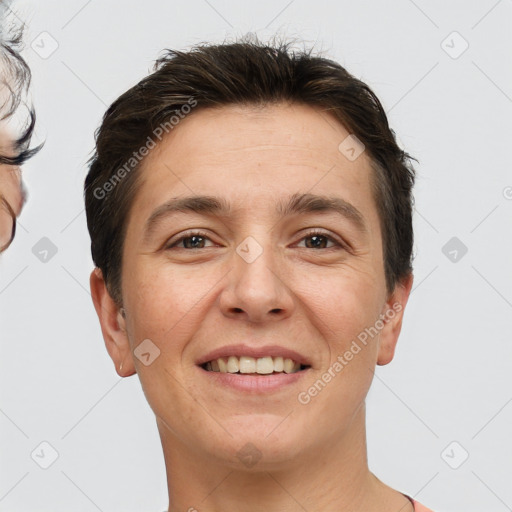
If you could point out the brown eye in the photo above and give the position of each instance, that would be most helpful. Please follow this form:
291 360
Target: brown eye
319 240
193 240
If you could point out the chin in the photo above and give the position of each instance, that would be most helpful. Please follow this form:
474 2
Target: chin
259 444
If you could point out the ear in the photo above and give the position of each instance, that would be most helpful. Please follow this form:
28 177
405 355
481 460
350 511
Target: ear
392 315
113 325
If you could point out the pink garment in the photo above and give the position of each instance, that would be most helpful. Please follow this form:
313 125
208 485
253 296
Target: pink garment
418 507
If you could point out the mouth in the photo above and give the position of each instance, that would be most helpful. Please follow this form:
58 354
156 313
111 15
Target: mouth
252 366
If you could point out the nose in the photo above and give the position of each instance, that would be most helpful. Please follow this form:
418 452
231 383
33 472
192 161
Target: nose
256 289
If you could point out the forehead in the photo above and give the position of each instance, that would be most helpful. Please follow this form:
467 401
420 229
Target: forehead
233 128
255 139
253 155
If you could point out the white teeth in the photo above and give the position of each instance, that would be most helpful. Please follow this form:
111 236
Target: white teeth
278 364
232 366
223 366
288 365
264 365
246 364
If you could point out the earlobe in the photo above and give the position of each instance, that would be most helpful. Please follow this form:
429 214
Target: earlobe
392 314
113 325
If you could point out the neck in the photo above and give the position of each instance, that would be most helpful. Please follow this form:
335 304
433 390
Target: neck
331 476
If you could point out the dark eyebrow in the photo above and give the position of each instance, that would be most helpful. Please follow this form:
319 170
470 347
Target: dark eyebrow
219 207
310 203
207 205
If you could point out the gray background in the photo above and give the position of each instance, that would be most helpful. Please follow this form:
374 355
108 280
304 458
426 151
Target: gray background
450 380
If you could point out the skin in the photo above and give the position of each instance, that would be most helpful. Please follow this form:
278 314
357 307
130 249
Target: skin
10 188
188 301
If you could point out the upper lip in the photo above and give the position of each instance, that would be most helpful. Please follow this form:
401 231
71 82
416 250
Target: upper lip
256 352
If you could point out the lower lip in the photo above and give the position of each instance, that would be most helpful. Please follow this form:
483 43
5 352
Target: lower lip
254 383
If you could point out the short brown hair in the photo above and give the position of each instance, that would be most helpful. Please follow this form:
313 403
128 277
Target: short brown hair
246 72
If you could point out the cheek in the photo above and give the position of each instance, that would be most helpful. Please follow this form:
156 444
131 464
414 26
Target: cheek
339 388
10 188
166 302
343 302
351 310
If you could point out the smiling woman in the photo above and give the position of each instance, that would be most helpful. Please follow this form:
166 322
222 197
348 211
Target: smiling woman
264 245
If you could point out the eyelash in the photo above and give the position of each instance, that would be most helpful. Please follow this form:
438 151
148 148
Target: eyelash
202 234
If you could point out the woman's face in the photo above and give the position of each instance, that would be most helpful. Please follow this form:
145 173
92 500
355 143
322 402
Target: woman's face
257 277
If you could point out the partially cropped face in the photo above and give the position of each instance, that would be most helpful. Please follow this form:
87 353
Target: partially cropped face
240 306
11 192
